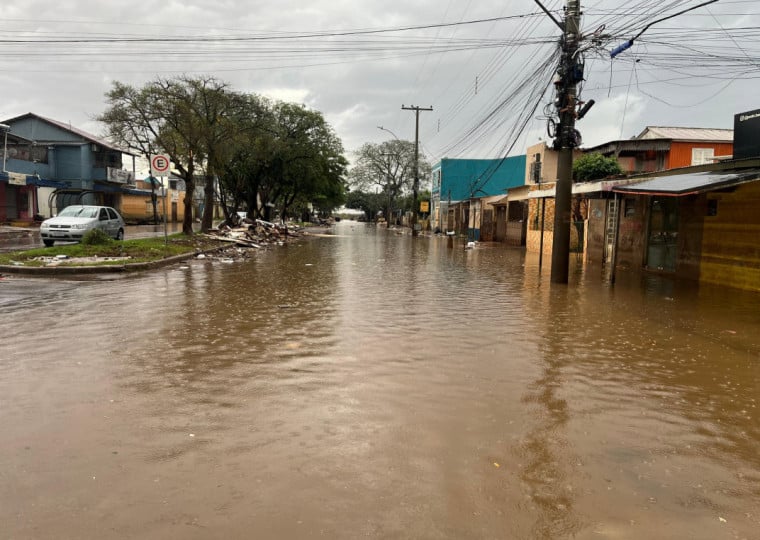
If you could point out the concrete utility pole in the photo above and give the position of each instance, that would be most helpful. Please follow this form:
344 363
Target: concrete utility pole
570 73
416 187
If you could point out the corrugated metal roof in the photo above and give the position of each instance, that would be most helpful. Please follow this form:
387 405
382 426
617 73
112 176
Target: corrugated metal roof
689 184
632 145
687 134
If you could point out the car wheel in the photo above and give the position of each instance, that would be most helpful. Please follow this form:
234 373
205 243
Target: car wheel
48 243
120 234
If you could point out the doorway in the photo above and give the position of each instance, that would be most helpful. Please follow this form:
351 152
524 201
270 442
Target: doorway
662 243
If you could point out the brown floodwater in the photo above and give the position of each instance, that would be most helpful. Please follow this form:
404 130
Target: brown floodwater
374 385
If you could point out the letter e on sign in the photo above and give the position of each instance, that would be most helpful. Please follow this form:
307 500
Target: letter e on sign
159 163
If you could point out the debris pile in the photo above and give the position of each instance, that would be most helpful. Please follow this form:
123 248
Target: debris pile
255 234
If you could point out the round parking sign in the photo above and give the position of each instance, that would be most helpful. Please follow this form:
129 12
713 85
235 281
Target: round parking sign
159 163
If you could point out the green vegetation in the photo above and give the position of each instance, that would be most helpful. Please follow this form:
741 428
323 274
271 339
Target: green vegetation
140 250
383 175
273 158
96 237
595 167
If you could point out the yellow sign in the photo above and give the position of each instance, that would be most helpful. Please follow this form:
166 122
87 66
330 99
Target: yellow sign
424 206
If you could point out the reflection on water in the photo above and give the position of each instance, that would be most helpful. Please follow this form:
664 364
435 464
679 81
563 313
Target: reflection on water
371 384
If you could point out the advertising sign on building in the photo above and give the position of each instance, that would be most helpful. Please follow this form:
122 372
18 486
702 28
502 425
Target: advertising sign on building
747 134
119 176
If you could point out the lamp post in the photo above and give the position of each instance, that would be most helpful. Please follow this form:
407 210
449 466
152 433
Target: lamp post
389 131
6 128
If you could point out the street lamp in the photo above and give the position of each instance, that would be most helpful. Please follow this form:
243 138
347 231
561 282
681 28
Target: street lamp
389 131
6 128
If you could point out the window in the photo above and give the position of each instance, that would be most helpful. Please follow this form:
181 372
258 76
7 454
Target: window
112 214
103 215
630 207
535 172
700 156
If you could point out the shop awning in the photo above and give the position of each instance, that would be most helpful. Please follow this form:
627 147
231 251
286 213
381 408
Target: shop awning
24 179
689 184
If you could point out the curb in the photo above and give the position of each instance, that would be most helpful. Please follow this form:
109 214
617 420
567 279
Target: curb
104 269
47 271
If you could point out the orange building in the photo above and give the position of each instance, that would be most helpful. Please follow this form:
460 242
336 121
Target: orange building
662 148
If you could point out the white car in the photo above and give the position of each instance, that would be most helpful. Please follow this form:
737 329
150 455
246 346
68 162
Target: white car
73 222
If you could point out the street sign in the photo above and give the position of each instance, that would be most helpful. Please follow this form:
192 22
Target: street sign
424 206
159 163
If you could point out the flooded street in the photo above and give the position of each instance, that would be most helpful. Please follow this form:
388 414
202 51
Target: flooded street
375 385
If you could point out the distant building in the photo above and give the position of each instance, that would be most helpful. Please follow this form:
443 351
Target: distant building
462 189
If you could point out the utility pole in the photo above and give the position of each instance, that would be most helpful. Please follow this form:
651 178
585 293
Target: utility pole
416 187
569 74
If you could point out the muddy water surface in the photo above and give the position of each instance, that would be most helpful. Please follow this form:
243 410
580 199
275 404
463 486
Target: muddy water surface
372 385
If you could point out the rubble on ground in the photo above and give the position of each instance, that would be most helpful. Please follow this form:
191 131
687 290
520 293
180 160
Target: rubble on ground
255 233
251 234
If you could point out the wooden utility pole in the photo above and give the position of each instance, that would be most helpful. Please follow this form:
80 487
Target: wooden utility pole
416 187
569 74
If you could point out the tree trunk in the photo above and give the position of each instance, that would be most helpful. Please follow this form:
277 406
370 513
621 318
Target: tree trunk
187 221
208 204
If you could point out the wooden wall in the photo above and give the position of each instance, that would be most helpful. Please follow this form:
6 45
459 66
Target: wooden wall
680 152
731 238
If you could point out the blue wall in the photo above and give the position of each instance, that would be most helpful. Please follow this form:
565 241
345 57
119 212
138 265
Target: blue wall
463 179
36 129
68 162
70 154
28 167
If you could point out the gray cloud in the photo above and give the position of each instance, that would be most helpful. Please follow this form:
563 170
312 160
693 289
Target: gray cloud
359 90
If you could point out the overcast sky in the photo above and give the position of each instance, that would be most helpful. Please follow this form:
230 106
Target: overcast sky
695 70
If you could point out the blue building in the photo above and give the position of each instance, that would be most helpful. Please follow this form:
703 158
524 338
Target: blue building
460 185
49 165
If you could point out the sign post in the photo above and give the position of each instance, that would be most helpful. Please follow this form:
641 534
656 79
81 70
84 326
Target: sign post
160 163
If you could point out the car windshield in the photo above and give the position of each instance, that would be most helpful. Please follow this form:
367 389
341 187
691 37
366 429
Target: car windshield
79 211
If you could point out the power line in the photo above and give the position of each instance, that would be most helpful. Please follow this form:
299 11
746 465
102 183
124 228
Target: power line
284 36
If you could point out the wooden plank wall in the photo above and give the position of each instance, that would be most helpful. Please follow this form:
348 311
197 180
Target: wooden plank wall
731 239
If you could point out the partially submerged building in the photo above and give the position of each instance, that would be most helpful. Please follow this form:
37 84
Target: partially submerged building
464 190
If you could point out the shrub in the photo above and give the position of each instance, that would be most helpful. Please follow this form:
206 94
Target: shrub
595 167
96 237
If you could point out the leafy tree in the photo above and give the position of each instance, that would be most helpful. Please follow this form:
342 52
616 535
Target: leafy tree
595 167
587 168
369 203
249 157
308 162
264 155
142 120
388 166
190 119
